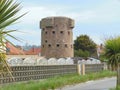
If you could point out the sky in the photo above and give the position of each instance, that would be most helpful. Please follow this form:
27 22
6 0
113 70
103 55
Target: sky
99 19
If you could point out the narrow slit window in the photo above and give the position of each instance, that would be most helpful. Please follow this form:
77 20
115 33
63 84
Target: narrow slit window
66 45
46 41
46 32
49 45
61 32
53 32
57 45
68 32
43 46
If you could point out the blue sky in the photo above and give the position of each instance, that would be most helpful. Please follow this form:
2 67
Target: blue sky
97 18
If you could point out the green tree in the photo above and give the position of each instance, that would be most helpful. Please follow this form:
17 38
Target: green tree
8 11
112 51
81 53
84 43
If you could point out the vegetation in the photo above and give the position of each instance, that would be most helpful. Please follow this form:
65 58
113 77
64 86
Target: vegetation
84 46
112 51
117 88
57 82
8 11
81 53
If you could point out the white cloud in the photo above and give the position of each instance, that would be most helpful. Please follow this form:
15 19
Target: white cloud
104 13
35 14
107 12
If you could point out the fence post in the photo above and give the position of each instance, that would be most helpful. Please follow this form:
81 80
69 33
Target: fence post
118 75
83 69
79 69
105 66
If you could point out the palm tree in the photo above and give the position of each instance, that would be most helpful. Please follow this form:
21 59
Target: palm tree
8 11
112 51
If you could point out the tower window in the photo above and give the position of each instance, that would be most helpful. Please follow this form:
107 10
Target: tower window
66 45
57 45
49 45
49 27
43 29
68 32
46 32
46 41
61 32
53 32
43 46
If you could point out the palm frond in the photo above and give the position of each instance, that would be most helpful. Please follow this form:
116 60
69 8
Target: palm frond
112 51
8 12
8 16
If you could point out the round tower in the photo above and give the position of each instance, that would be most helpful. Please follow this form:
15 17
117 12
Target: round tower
57 37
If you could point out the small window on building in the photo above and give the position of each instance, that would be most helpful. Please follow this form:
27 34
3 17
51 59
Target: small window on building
68 32
46 32
7 49
43 46
66 45
49 27
46 41
53 32
49 45
61 32
43 29
57 45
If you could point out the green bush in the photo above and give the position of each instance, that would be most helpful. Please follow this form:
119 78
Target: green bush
81 53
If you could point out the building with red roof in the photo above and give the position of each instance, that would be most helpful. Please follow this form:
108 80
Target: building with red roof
13 50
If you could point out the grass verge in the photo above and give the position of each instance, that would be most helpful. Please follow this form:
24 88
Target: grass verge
117 88
57 82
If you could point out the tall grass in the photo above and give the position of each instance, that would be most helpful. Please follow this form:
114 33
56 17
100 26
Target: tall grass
57 82
117 88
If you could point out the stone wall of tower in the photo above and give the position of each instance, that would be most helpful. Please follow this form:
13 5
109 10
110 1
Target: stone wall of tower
57 37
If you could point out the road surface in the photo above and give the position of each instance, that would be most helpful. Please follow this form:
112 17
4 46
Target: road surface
103 84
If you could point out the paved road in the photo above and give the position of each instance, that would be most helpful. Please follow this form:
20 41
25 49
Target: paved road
103 84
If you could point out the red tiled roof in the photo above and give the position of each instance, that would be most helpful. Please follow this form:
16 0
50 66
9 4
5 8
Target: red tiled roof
33 51
13 50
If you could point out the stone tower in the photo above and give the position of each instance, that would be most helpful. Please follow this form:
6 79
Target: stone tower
57 37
